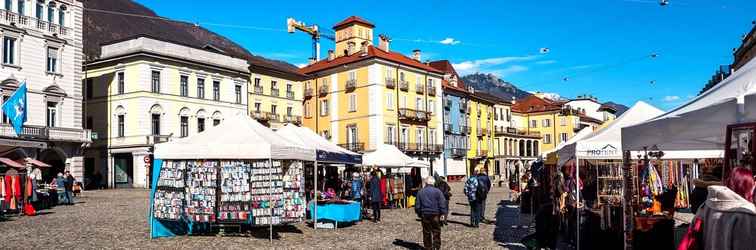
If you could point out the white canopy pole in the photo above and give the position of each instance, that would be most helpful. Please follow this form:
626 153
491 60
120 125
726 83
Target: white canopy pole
270 198
577 199
315 197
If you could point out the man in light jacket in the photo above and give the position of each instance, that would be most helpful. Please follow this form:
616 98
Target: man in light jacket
430 205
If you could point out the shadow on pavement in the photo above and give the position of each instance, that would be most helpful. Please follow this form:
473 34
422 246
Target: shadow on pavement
507 219
459 223
460 214
463 204
407 244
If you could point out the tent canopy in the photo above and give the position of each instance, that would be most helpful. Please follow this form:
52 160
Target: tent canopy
237 137
701 123
579 136
606 143
388 156
325 150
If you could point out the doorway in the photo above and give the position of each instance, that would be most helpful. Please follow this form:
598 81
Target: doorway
123 170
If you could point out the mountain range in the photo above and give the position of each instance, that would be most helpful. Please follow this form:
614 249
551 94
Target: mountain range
494 85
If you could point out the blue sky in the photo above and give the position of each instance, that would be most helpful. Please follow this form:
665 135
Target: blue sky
602 47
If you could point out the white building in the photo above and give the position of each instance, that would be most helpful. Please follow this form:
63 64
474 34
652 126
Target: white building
590 106
143 91
42 46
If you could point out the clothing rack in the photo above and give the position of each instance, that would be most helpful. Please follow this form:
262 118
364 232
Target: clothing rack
5 208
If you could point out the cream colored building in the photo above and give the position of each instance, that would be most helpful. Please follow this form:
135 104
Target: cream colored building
275 97
42 46
142 91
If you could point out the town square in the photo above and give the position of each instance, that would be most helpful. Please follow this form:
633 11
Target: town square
617 124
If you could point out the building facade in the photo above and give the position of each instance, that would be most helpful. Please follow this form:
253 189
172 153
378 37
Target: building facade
480 117
589 107
361 96
553 121
42 47
456 122
275 97
142 91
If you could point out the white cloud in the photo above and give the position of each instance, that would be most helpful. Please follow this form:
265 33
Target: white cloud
490 65
671 98
546 62
301 65
449 41
509 70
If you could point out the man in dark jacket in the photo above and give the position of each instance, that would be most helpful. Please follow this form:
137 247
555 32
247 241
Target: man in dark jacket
484 186
430 205
69 182
446 190
375 196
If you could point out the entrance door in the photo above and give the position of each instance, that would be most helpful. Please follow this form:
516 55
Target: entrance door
123 173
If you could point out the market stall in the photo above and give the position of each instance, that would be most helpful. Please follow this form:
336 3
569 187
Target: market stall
401 173
237 174
332 208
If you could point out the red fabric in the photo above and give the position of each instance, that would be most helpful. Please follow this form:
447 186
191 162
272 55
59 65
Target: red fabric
8 192
693 237
29 210
28 187
383 190
17 186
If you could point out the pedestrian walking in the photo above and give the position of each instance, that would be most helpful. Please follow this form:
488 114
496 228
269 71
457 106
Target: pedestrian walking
445 189
60 188
484 186
356 187
471 191
376 197
430 205
69 182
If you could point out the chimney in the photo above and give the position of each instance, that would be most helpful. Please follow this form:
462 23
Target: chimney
416 55
331 56
383 42
311 61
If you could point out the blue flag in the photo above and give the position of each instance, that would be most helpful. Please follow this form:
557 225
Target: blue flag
15 108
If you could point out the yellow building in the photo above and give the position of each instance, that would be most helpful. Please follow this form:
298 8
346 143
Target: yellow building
275 96
480 155
361 96
552 120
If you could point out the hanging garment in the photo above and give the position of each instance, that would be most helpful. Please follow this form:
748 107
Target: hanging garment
8 189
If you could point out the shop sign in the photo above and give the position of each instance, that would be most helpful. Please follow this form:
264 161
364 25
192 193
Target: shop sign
607 150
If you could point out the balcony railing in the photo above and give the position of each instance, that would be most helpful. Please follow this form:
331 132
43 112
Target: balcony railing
137 140
323 90
403 85
308 92
273 117
520 132
295 119
419 88
274 92
465 129
458 152
353 146
431 90
290 95
390 83
447 127
413 115
350 85
33 132
259 115
20 21
258 90
418 148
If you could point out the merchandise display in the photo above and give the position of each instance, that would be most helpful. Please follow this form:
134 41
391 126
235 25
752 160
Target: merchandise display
202 182
610 182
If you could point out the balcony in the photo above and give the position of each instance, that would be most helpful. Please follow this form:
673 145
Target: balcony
259 115
458 152
27 22
390 83
132 141
431 90
403 85
290 95
353 146
420 88
274 91
413 115
520 132
351 85
500 131
32 132
485 131
463 107
447 127
294 119
308 92
258 90
323 90
273 117
435 148
480 131
465 129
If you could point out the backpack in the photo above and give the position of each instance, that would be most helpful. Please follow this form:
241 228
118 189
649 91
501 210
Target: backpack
471 188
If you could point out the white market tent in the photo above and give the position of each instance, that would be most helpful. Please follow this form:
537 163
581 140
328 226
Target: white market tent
326 151
237 137
606 143
388 156
701 123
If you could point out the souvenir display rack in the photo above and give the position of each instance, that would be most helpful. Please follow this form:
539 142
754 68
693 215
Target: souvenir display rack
169 195
609 181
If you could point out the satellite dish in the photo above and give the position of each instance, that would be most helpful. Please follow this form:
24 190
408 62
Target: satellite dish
544 50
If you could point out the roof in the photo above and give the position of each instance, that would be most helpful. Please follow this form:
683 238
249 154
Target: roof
533 103
607 107
585 118
353 19
447 68
489 97
103 28
372 52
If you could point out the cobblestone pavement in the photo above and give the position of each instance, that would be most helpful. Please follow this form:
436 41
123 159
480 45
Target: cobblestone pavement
118 219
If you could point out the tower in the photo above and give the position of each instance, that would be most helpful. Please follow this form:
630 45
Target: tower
352 34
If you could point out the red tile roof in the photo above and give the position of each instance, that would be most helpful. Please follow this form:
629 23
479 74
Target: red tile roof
353 19
372 52
446 67
533 103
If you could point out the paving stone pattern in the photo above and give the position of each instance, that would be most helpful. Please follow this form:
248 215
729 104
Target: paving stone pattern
118 219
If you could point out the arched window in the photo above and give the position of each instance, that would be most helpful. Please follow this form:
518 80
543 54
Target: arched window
201 120
217 118
120 113
522 148
156 112
51 12
62 15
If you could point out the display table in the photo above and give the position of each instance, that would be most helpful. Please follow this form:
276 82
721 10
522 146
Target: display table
341 212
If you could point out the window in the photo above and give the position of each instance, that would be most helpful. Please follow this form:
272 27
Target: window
273 109
273 88
419 139
62 16
184 85
352 76
120 82
89 84
390 101
257 107
9 50
419 104
533 123
403 102
431 106
184 126
352 103
289 91
546 123
307 109
390 134
121 129
52 113
155 124
432 137
216 90
8 5
289 111
200 88
401 76
509 116
200 124
258 87
323 107
90 123
51 13
563 121
5 117
351 134
216 122
563 137
21 7
40 11
238 92
155 81
547 139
